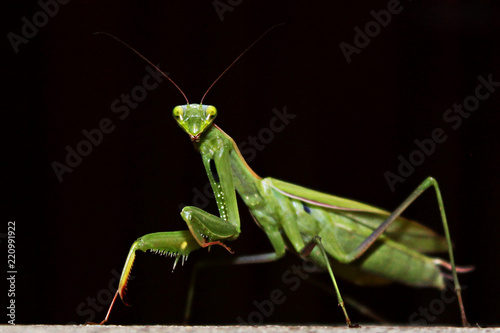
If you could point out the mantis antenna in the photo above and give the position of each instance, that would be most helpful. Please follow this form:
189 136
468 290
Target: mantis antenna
238 58
172 81
143 57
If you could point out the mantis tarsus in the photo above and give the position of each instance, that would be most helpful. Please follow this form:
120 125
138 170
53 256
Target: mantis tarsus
331 231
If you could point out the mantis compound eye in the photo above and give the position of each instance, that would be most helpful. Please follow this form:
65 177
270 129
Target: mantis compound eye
211 112
178 112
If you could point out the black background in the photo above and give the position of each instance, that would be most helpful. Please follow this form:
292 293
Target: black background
352 122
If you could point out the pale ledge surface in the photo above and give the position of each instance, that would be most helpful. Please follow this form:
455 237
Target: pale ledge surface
241 329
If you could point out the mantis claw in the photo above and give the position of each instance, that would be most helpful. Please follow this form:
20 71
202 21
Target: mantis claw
221 244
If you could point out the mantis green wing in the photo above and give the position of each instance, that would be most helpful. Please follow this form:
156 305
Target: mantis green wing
344 224
412 234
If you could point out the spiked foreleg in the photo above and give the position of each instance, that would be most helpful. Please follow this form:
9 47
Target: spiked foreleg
208 229
178 244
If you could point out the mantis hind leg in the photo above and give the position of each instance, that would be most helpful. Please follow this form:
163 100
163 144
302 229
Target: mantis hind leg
365 245
306 251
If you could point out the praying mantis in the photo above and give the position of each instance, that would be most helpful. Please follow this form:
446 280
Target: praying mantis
346 238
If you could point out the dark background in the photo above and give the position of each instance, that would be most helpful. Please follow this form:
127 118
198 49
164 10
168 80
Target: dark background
352 122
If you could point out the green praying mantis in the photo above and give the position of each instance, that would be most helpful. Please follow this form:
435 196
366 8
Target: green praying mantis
353 240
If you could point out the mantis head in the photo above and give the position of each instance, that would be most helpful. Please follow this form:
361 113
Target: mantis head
194 118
